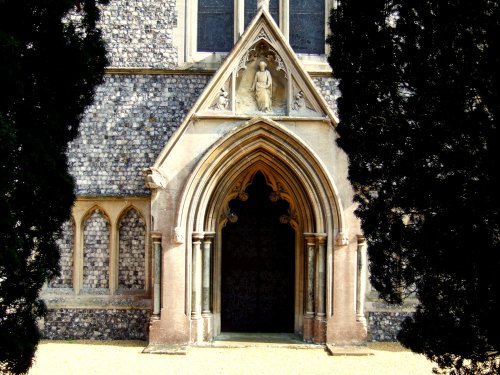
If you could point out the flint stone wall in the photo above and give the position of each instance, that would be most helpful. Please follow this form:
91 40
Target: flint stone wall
66 245
329 88
122 133
131 260
384 326
96 252
140 33
96 324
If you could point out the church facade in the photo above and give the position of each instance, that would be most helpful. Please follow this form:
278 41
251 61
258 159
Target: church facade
211 194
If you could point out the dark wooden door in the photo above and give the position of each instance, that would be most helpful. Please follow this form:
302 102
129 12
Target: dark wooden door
258 265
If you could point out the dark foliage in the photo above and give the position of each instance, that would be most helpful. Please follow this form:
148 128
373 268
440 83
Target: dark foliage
419 117
48 71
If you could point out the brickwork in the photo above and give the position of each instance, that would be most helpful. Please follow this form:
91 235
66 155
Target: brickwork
66 245
96 324
96 252
131 261
125 129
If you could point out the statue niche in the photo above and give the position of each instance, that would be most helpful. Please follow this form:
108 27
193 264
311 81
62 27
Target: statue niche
261 82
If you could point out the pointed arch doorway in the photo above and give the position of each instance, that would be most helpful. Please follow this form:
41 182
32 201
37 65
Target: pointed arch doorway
258 263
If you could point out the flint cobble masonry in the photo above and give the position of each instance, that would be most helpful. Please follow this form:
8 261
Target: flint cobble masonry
328 86
140 33
96 324
96 252
384 326
131 273
66 244
125 129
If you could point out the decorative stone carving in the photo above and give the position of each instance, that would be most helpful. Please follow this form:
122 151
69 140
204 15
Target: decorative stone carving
289 217
274 196
229 216
222 102
232 217
243 196
154 179
263 35
301 104
260 86
277 194
263 87
298 101
262 51
342 239
178 235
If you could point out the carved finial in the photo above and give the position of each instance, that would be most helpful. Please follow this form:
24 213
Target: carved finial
263 4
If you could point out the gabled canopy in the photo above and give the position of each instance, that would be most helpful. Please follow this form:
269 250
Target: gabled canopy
230 93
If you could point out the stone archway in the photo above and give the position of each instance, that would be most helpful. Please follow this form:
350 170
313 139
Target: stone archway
258 263
296 176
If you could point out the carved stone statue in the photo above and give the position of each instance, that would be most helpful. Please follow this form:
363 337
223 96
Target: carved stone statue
262 85
223 100
299 101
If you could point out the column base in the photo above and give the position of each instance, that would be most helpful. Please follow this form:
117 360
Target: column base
197 328
308 328
319 336
208 326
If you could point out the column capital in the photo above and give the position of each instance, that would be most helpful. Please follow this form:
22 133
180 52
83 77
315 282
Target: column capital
361 238
209 236
310 238
156 236
198 236
321 237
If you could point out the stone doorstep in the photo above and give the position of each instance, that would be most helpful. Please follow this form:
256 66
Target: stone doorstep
239 344
351 350
230 340
165 349
332 350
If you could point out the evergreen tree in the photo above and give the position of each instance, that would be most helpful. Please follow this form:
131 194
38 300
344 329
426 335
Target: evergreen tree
49 66
419 116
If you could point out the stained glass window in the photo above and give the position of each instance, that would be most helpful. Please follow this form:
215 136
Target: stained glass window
215 25
307 26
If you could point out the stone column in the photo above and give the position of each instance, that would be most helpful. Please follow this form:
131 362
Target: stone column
310 270
196 280
156 238
207 287
207 250
196 288
361 281
320 318
321 275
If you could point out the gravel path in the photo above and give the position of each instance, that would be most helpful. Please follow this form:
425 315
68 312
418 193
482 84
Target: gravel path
125 357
